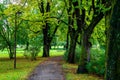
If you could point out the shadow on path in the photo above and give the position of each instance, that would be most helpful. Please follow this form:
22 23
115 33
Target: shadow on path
50 69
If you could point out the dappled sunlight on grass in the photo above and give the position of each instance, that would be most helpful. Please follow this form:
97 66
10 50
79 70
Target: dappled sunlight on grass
70 73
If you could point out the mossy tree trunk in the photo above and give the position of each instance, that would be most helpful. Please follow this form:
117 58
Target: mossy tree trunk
85 43
72 31
113 44
84 53
71 51
87 30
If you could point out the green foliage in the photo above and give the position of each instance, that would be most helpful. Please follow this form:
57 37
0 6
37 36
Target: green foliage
97 62
98 36
34 47
77 54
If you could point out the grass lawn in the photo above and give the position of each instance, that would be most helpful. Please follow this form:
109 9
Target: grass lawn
24 66
70 73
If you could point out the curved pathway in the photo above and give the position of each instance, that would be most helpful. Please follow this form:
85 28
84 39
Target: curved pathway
48 70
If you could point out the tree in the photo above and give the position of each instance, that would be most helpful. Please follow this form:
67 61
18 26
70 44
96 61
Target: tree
48 34
12 24
113 44
73 29
87 29
6 33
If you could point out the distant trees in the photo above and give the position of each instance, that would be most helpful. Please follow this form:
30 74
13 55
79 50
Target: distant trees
50 23
42 17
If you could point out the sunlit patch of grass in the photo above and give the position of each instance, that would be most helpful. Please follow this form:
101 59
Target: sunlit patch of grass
54 52
70 73
24 67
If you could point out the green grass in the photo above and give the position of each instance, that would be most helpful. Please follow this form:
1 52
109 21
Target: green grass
70 73
54 52
24 66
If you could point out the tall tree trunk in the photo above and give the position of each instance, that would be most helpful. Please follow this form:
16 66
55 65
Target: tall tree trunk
84 51
71 51
71 32
46 34
113 44
46 44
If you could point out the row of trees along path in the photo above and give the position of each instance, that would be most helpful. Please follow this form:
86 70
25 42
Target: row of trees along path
50 69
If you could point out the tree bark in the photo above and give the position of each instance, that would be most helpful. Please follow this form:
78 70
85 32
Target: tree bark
46 43
83 58
46 34
71 51
85 44
72 31
113 44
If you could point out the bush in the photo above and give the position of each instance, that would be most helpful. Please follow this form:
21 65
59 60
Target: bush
77 54
33 48
97 62
32 53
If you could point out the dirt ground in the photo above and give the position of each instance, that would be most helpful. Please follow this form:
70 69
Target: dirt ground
50 69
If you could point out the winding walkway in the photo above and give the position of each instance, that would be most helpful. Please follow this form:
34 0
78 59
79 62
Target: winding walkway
48 70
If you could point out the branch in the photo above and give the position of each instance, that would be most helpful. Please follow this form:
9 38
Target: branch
93 5
94 22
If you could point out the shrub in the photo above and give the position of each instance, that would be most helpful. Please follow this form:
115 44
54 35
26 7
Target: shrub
33 48
97 62
77 54
32 53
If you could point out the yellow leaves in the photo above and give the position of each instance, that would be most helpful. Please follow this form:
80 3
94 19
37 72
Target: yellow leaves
35 29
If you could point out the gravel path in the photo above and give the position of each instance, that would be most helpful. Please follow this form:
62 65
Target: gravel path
48 70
